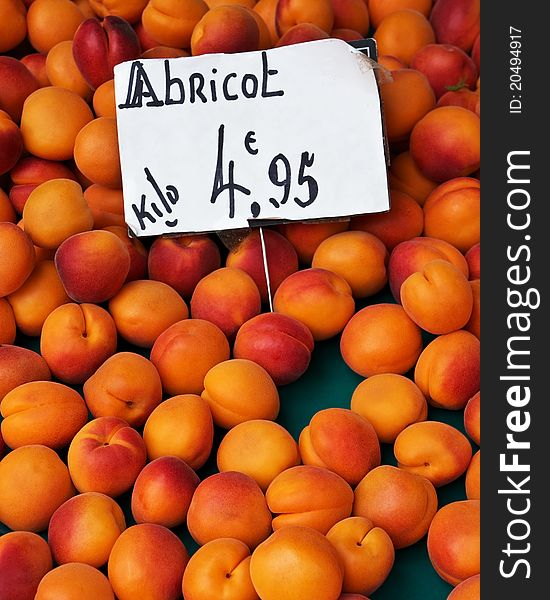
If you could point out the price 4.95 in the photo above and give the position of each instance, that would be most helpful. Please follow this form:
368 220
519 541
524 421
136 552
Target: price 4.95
280 173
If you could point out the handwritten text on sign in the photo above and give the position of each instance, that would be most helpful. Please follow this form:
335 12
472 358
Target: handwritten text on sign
213 142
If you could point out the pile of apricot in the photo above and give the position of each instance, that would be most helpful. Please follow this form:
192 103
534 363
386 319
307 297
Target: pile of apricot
128 366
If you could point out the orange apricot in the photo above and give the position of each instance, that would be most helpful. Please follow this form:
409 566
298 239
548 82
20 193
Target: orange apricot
438 298
62 71
103 100
181 426
358 257
52 118
74 580
52 21
406 99
406 177
434 450
390 402
473 488
381 338
13 24
402 222
402 33
40 295
34 482
17 258
296 563
143 309
171 22
378 9
96 152
8 327
130 10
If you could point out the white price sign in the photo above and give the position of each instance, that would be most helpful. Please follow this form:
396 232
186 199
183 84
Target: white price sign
215 142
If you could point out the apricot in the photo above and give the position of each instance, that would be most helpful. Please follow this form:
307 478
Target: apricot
52 118
473 258
403 33
452 213
219 569
406 177
182 261
185 352
99 271
267 10
54 211
472 418
303 32
309 496
8 328
401 503
456 22
404 221
17 81
106 456
41 294
358 257
469 589
239 390
282 260
434 450
7 212
230 505
164 52
84 529
52 21
445 143
306 237
181 426
381 338
34 482
412 256
226 29
296 563
62 71
96 152
280 344
16 258
13 24
36 64
74 581
294 12
162 492
320 299
462 97
130 10
20 365
12 143
390 62
448 371
438 298
226 297
171 22
342 441
126 385
144 309
76 340
453 541
42 412
25 558
136 249
378 9
473 325
260 449
365 551
406 99
473 491
103 100
351 14
390 402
